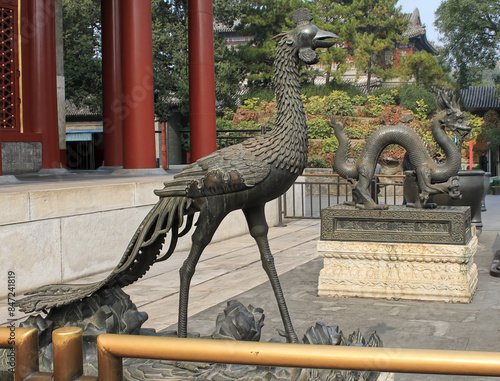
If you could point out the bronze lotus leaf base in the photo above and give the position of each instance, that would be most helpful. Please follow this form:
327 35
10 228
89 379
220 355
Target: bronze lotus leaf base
111 311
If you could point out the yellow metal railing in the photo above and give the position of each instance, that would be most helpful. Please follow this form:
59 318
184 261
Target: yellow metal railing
68 360
112 348
68 354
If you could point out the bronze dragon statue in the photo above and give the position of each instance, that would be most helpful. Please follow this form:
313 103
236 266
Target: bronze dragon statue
431 177
244 176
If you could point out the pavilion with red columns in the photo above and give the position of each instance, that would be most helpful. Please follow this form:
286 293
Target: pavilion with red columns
30 128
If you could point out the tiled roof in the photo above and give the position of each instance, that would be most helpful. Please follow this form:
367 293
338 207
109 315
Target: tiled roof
220 27
415 27
417 31
480 98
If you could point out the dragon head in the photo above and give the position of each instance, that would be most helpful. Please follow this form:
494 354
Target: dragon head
306 37
453 118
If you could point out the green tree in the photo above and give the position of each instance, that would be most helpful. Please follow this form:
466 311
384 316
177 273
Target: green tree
82 57
170 56
425 69
470 31
229 74
263 19
372 28
82 52
327 16
171 59
491 128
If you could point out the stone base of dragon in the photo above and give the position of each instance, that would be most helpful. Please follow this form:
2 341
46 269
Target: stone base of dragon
430 177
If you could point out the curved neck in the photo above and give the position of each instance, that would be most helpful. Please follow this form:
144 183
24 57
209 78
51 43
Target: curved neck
290 125
452 152
340 164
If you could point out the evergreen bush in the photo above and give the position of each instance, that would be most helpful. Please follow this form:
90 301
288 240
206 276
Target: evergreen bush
411 94
359 100
318 128
339 103
317 162
314 105
388 92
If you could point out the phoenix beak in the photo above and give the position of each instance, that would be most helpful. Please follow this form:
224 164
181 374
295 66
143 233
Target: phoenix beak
320 39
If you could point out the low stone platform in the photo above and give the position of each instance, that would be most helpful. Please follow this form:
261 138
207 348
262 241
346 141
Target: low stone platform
412 270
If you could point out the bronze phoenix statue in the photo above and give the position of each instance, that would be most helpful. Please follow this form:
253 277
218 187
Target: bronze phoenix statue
244 176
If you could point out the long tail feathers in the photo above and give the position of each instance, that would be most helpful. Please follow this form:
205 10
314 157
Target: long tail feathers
140 254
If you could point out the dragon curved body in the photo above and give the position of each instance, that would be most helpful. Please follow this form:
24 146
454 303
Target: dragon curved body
244 176
431 177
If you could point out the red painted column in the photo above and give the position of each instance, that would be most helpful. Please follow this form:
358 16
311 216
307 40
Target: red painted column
42 86
201 79
137 77
112 84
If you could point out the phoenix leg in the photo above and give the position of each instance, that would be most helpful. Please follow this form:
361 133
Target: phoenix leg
258 229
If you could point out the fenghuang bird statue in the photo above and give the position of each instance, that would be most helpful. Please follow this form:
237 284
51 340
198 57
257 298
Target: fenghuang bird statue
244 176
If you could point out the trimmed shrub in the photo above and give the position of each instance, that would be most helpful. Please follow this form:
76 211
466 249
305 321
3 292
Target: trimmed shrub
330 145
339 103
359 100
388 91
410 94
386 99
314 105
317 162
318 128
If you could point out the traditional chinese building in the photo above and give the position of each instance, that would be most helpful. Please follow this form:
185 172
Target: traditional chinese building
32 132
416 35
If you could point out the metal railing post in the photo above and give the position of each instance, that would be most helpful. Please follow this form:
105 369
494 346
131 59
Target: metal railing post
68 353
110 366
24 342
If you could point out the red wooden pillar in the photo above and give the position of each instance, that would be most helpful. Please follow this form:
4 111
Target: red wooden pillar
41 89
137 77
112 84
201 78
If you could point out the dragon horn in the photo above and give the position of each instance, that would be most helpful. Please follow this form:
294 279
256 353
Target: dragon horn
443 101
455 100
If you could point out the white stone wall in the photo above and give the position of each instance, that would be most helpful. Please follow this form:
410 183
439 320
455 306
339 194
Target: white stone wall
62 231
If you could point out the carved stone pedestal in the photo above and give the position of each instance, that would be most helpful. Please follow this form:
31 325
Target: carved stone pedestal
398 270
